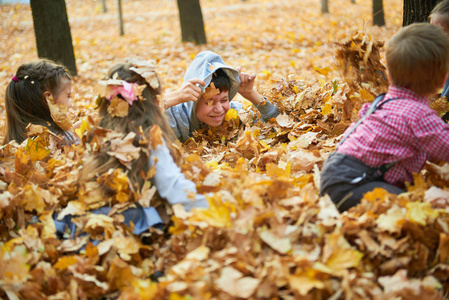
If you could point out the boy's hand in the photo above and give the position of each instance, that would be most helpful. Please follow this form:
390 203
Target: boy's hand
247 87
246 83
189 91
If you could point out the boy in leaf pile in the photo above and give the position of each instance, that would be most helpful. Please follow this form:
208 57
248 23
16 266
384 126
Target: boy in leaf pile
207 93
398 132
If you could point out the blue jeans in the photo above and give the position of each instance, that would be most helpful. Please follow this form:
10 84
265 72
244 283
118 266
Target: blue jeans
337 180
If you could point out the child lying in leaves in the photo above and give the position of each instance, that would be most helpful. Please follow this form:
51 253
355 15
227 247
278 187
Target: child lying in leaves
133 150
207 93
39 94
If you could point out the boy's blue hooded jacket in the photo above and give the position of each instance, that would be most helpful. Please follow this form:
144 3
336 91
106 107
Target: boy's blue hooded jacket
182 117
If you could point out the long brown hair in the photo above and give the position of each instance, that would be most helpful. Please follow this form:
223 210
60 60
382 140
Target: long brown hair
142 114
25 101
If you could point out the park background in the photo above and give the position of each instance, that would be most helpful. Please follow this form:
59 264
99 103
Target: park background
273 237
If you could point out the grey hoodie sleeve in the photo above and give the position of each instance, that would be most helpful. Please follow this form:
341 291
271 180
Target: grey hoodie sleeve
171 182
178 119
267 109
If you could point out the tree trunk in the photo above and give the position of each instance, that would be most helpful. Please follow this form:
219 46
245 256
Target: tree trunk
324 7
103 6
52 30
378 13
192 25
120 17
353 1
416 11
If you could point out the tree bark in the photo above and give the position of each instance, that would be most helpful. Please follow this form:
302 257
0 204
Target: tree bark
52 30
352 1
416 11
191 18
120 17
103 6
324 6
378 13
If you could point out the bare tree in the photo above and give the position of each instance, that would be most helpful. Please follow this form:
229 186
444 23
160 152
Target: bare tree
324 6
103 6
120 17
52 30
191 18
416 11
378 13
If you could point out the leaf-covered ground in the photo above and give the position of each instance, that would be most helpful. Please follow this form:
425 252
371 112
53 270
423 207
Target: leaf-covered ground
267 235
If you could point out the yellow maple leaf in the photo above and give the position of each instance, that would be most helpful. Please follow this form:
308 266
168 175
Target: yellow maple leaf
82 128
59 114
280 244
231 115
266 72
344 258
64 262
275 170
306 280
338 253
391 220
141 289
36 149
212 164
210 92
217 215
120 184
49 229
419 184
376 195
32 198
21 162
367 96
419 212
326 109
100 223
14 266
323 71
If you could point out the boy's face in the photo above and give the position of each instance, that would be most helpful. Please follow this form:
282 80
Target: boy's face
438 20
213 110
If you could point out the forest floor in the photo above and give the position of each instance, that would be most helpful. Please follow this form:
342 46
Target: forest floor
267 233
269 38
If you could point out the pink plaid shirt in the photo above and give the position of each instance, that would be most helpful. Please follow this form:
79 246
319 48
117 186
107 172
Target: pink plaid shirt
406 131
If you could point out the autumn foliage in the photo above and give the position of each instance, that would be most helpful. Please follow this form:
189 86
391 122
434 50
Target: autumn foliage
267 234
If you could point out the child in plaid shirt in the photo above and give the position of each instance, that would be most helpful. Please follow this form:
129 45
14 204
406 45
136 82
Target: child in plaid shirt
398 132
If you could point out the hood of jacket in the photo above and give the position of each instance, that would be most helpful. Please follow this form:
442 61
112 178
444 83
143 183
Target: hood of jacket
203 67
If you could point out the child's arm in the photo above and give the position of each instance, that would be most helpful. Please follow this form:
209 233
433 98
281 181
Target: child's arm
189 91
432 135
266 108
171 183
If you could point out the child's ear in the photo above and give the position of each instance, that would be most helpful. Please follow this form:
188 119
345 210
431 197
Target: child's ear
47 94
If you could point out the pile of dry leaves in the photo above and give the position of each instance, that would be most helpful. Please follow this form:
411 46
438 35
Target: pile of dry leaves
267 234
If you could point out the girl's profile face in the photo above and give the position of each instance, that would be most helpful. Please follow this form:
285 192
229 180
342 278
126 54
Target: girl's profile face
439 20
213 110
64 93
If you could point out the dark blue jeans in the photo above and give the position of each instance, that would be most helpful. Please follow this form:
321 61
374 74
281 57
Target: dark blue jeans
337 175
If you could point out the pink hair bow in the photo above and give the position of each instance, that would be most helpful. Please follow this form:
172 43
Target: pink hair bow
127 91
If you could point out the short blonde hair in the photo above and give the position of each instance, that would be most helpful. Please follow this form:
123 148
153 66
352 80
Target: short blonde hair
418 58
